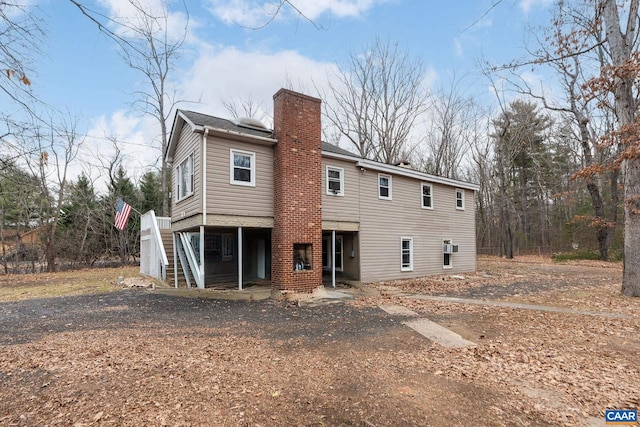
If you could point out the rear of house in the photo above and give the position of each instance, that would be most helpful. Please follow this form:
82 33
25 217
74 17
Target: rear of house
253 205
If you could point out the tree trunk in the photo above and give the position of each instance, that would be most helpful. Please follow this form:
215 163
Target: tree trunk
631 275
2 242
621 48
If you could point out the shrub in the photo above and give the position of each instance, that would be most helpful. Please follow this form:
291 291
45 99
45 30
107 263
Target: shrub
575 255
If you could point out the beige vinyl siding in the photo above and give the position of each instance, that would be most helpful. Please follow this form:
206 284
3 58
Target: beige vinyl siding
189 143
383 223
224 198
346 207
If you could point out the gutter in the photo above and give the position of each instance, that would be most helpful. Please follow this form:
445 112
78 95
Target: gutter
235 134
397 170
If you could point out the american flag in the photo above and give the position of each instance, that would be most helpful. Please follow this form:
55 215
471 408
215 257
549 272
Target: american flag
123 210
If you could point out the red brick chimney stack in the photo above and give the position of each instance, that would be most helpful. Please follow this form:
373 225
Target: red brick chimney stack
296 247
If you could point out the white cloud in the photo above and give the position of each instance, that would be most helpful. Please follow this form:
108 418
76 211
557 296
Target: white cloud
223 74
220 74
132 14
135 139
528 5
457 46
256 13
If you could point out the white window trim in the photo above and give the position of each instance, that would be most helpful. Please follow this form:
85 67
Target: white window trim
410 267
252 169
341 170
450 265
384 175
179 178
422 185
462 198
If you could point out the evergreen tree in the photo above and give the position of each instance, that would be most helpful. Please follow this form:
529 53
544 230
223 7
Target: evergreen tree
151 192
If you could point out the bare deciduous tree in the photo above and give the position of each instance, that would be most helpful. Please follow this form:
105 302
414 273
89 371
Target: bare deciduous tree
57 147
148 47
621 79
246 107
378 100
20 37
451 131
564 52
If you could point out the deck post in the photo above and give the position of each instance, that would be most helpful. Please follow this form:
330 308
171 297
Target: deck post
240 258
175 260
333 258
201 266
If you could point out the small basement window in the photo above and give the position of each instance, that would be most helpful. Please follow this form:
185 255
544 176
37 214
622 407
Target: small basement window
302 256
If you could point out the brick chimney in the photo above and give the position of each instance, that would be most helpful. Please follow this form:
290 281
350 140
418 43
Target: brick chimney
296 241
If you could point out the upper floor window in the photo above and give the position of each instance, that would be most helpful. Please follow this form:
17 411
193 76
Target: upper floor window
406 254
459 199
384 186
335 181
243 168
427 196
185 178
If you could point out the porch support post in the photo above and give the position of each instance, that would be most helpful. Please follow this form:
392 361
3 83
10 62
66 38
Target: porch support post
175 260
333 258
201 266
240 258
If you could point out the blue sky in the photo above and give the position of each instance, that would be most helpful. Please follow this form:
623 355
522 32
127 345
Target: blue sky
81 72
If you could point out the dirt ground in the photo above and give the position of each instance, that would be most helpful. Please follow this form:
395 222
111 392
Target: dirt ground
137 357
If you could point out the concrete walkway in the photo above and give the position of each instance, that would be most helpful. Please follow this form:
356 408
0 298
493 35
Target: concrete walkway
491 303
428 329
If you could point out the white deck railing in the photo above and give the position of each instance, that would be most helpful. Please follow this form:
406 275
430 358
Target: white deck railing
189 260
153 256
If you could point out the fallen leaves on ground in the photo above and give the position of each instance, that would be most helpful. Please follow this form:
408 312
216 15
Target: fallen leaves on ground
528 368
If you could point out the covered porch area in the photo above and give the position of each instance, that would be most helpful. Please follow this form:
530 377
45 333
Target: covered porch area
223 257
340 253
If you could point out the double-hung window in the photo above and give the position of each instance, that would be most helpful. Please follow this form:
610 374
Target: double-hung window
335 181
384 186
185 178
406 254
243 168
460 199
427 196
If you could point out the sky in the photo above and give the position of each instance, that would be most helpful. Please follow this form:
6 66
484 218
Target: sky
226 57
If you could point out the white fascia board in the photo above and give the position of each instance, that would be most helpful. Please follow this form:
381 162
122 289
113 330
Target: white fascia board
397 170
175 134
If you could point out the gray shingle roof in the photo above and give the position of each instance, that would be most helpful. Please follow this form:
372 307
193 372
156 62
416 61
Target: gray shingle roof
337 150
200 119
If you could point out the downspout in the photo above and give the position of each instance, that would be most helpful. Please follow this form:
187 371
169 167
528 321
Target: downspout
203 179
203 163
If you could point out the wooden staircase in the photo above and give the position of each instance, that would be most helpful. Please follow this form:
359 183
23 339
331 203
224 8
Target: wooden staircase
167 241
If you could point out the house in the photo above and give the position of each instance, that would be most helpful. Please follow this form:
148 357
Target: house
281 206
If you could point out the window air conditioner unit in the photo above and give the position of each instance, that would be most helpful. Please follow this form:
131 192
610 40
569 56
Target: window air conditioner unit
450 249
